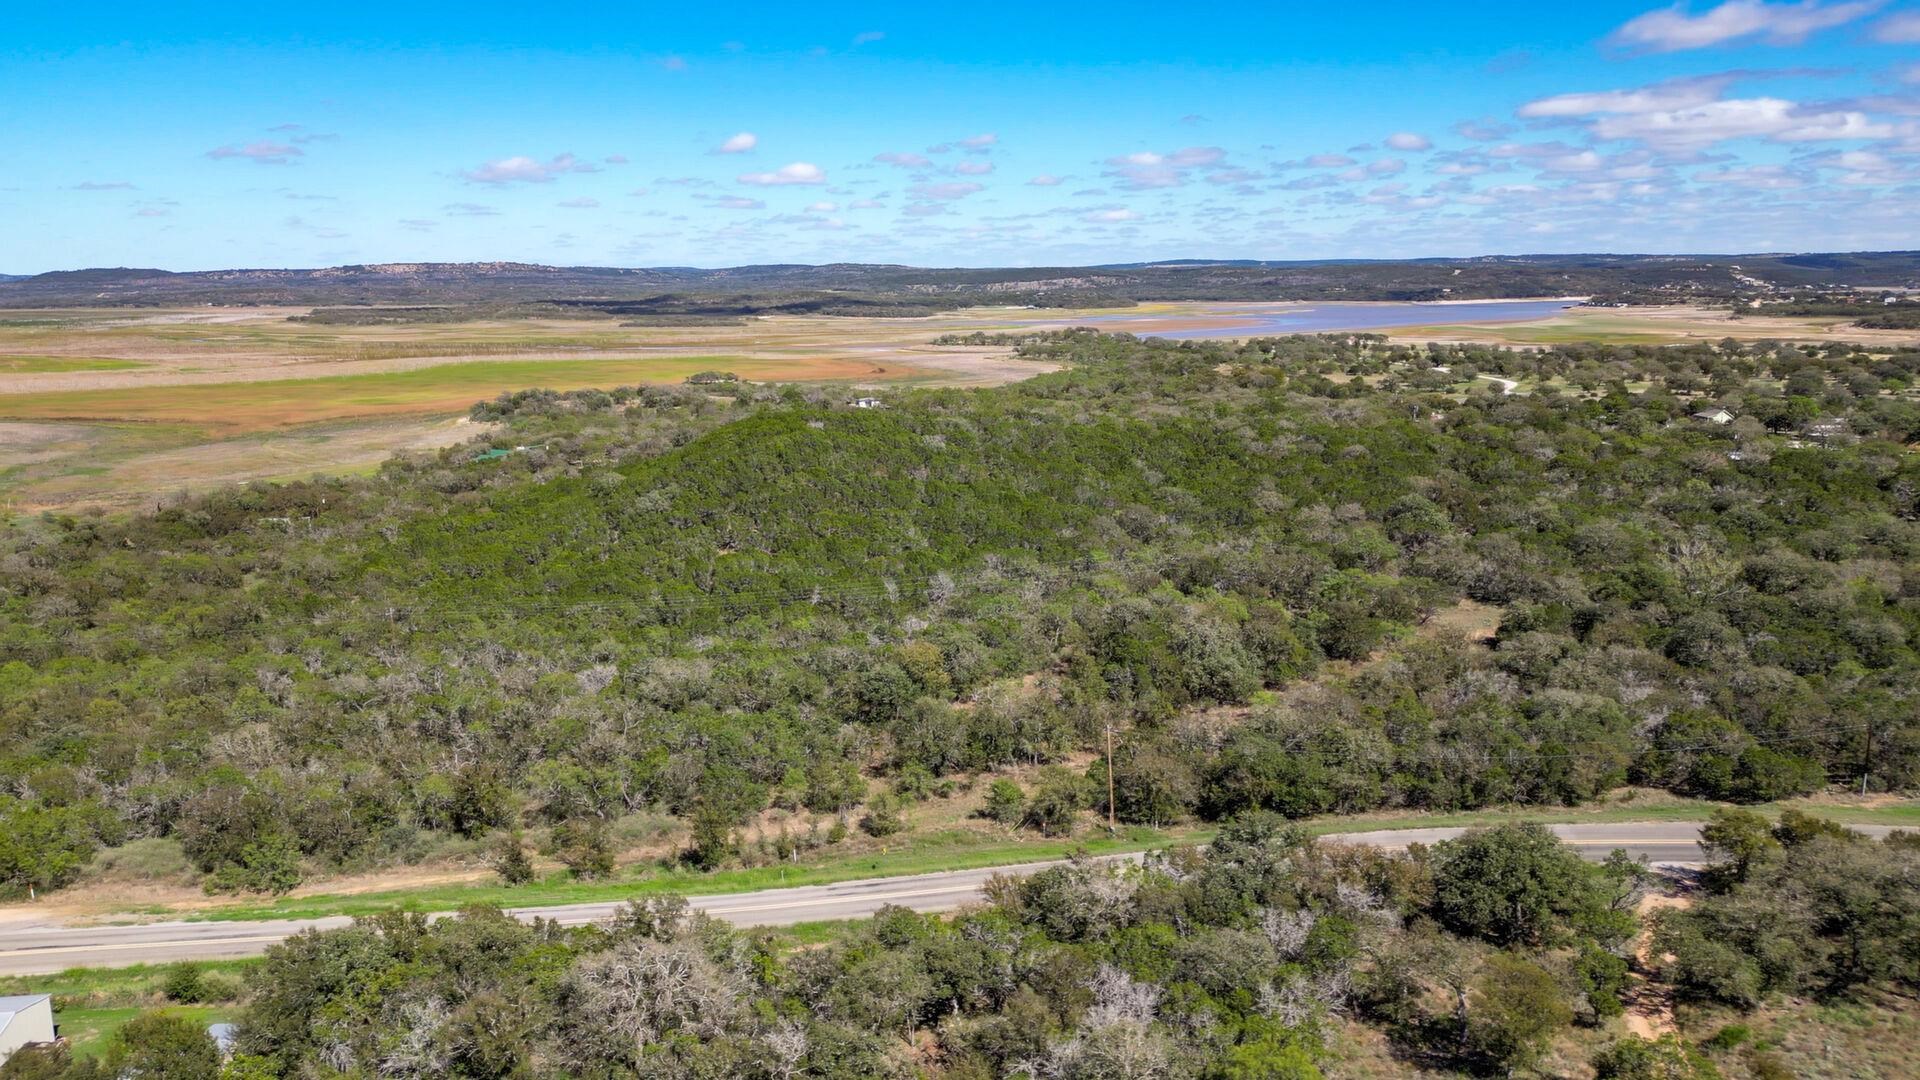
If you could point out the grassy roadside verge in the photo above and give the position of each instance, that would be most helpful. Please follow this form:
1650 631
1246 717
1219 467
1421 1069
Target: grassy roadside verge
962 850
954 850
91 1004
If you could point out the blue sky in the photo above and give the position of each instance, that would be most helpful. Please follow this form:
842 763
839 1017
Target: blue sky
986 135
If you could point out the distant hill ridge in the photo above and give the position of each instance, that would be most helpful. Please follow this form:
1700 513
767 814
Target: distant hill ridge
1477 277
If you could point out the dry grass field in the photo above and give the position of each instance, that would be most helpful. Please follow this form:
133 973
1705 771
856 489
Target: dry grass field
243 407
112 407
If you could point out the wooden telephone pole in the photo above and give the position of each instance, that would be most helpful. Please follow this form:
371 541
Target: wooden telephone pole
1112 828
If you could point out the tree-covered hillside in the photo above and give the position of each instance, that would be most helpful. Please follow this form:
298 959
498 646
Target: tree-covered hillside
888 289
705 603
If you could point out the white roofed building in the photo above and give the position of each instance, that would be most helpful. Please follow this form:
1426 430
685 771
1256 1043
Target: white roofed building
25 1019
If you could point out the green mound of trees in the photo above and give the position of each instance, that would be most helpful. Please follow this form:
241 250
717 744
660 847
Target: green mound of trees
668 602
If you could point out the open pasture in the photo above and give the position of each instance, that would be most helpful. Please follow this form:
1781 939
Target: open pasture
255 405
44 365
108 407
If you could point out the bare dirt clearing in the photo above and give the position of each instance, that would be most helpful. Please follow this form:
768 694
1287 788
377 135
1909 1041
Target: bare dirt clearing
289 455
1649 1003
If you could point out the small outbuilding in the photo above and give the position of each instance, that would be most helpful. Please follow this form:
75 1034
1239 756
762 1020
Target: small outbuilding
1714 416
1826 430
866 403
24 1020
222 1036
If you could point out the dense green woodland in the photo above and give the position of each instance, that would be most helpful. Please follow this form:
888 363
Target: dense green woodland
706 603
1258 958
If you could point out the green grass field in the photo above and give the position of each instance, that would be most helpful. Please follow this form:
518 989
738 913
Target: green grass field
90 1030
53 365
236 407
90 1004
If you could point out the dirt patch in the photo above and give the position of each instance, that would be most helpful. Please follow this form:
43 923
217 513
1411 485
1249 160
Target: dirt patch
1469 619
92 469
1650 1003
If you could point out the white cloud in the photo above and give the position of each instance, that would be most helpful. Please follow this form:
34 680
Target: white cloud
467 209
259 152
799 172
582 203
1683 115
1329 161
1764 177
1410 141
1741 118
1677 28
103 185
1372 169
735 202
868 37
902 161
974 168
1911 74
980 141
1901 29
1146 169
1310 183
1481 131
1581 161
738 144
822 208
947 191
525 170
1862 168
1659 97
1046 180
1108 217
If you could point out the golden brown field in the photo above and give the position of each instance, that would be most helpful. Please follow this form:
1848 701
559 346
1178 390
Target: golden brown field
109 407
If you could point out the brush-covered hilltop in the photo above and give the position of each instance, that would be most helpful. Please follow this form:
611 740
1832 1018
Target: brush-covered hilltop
661 631
873 288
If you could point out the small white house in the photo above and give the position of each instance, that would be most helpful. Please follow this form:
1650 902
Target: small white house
25 1019
1714 416
866 403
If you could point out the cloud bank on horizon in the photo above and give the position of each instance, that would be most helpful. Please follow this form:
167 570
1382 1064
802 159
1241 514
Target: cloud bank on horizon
724 137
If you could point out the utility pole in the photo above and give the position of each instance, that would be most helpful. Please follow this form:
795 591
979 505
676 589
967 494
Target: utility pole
1866 760
1112 828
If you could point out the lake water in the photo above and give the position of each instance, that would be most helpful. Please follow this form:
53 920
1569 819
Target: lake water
1325 317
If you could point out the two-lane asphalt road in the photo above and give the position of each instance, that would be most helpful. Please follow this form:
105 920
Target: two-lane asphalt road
29 947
